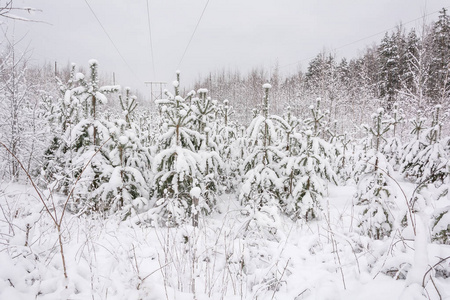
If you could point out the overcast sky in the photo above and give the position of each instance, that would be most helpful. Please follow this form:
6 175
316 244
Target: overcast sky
235 34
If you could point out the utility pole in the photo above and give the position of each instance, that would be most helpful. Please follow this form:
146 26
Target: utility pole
156 89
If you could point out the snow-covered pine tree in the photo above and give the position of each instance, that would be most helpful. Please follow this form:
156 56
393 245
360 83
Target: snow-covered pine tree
428 159
85 140
128 105
307 170
441 216
206 111
240 149
431 168
262 183
262 189
375 194
288 127
127 177
226 132
414 146
360 150
178 167
317 122
61 117
345 160
438 82
393 147
307 174
389 59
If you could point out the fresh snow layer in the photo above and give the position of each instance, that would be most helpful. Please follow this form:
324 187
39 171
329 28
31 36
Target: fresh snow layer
233 254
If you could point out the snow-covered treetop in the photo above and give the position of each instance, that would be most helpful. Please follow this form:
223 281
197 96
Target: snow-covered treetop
79 76
267 86
191 94
195 192
93 62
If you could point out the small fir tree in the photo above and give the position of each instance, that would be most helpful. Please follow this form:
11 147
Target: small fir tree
262 183
178 167
375 195
393 147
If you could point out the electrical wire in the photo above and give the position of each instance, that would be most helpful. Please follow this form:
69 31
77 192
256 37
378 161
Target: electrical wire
110 39
362 39
193 33
151 41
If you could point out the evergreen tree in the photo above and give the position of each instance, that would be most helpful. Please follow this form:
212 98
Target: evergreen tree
207 112
262 184
375 195
85 140
393 147
429 159
178 167
439 70
414 146
414 84
345 162
125 185
306 175
389 61
226 131
62 115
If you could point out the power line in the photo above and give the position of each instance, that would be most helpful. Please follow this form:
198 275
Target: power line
110 39
362 39
192 36
151 43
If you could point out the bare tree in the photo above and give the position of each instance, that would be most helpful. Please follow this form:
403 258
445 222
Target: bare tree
7 10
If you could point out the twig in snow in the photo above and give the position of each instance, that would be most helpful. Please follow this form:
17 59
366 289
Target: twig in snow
431 268
281 277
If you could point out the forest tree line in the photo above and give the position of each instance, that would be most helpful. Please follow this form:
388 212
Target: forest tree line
411 68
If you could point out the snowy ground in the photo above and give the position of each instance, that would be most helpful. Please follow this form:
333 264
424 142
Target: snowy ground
229 256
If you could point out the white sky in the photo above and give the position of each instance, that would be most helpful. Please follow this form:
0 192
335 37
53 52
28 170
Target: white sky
235 34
